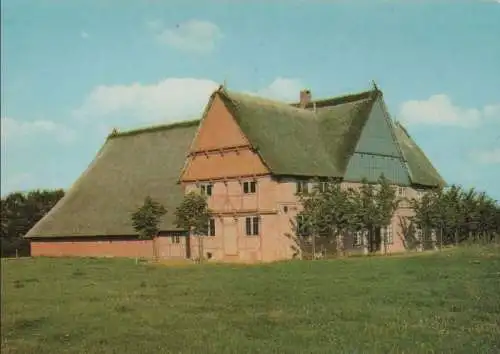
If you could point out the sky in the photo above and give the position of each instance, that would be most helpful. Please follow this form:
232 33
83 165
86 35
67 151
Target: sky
71 71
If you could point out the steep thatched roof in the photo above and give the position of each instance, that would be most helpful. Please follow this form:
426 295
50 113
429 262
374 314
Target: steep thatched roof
129 167
422 172
299 142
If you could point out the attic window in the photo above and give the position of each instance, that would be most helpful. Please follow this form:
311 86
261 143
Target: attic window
249 187
206 189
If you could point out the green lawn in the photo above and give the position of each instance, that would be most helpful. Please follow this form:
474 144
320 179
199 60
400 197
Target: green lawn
443 303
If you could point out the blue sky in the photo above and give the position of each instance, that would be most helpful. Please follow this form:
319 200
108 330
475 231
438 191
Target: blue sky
73 70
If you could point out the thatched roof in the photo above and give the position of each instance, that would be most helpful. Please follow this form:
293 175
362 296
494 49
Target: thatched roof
421 170
129 167
317 141
299 142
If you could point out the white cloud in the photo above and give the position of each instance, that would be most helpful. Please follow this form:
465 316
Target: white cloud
282 89
14 130
487 156
169 100
440 110
194 36
84 34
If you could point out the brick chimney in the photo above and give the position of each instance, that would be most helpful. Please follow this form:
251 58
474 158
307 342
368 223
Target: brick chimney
305 98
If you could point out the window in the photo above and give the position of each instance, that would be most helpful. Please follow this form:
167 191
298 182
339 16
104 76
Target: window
418 233
322 187
359 236
206 189
176 239
302 187
401 191
387 234
211 227
249 187
252 225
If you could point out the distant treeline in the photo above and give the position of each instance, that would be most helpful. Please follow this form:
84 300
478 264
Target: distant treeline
20 211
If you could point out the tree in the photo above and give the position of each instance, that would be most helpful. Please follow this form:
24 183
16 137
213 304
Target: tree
328 212
339 213
193 215
368 214
387 205
146 220
457 213
20 211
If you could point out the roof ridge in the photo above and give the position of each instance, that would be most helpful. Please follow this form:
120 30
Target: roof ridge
337 100
154 128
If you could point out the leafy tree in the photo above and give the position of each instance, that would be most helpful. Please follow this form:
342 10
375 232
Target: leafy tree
368 212
458 214
146 220
193 214
20 211
340 213
387 204
310 221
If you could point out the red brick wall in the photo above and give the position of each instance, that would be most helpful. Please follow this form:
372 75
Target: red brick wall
90 248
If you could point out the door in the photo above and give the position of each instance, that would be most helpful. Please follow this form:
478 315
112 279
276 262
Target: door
230 237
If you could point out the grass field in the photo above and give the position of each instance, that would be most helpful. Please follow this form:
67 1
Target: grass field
443 303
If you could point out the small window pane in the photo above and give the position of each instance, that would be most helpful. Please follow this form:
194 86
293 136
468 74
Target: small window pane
211 227
256 225
248 226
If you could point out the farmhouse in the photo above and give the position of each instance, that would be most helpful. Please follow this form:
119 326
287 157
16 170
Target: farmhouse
249 156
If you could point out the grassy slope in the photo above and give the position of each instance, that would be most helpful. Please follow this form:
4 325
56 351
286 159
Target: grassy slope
443 303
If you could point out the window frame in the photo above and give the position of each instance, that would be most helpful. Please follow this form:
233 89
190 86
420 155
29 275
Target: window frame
388 234
249 187
252 225
211 227
302 187
206 189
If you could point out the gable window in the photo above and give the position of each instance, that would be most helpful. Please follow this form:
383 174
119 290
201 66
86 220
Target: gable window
302 187
249 187
211 227
252 225
206 189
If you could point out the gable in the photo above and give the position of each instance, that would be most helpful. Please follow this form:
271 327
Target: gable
377 136
377 151
218 129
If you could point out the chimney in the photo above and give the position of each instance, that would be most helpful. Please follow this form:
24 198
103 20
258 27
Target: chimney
305 98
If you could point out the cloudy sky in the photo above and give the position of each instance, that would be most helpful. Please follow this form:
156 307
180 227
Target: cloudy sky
73 70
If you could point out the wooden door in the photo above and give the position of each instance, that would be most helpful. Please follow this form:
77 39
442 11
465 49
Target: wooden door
230 237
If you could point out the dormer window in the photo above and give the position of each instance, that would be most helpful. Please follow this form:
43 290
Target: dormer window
206 189
249 187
